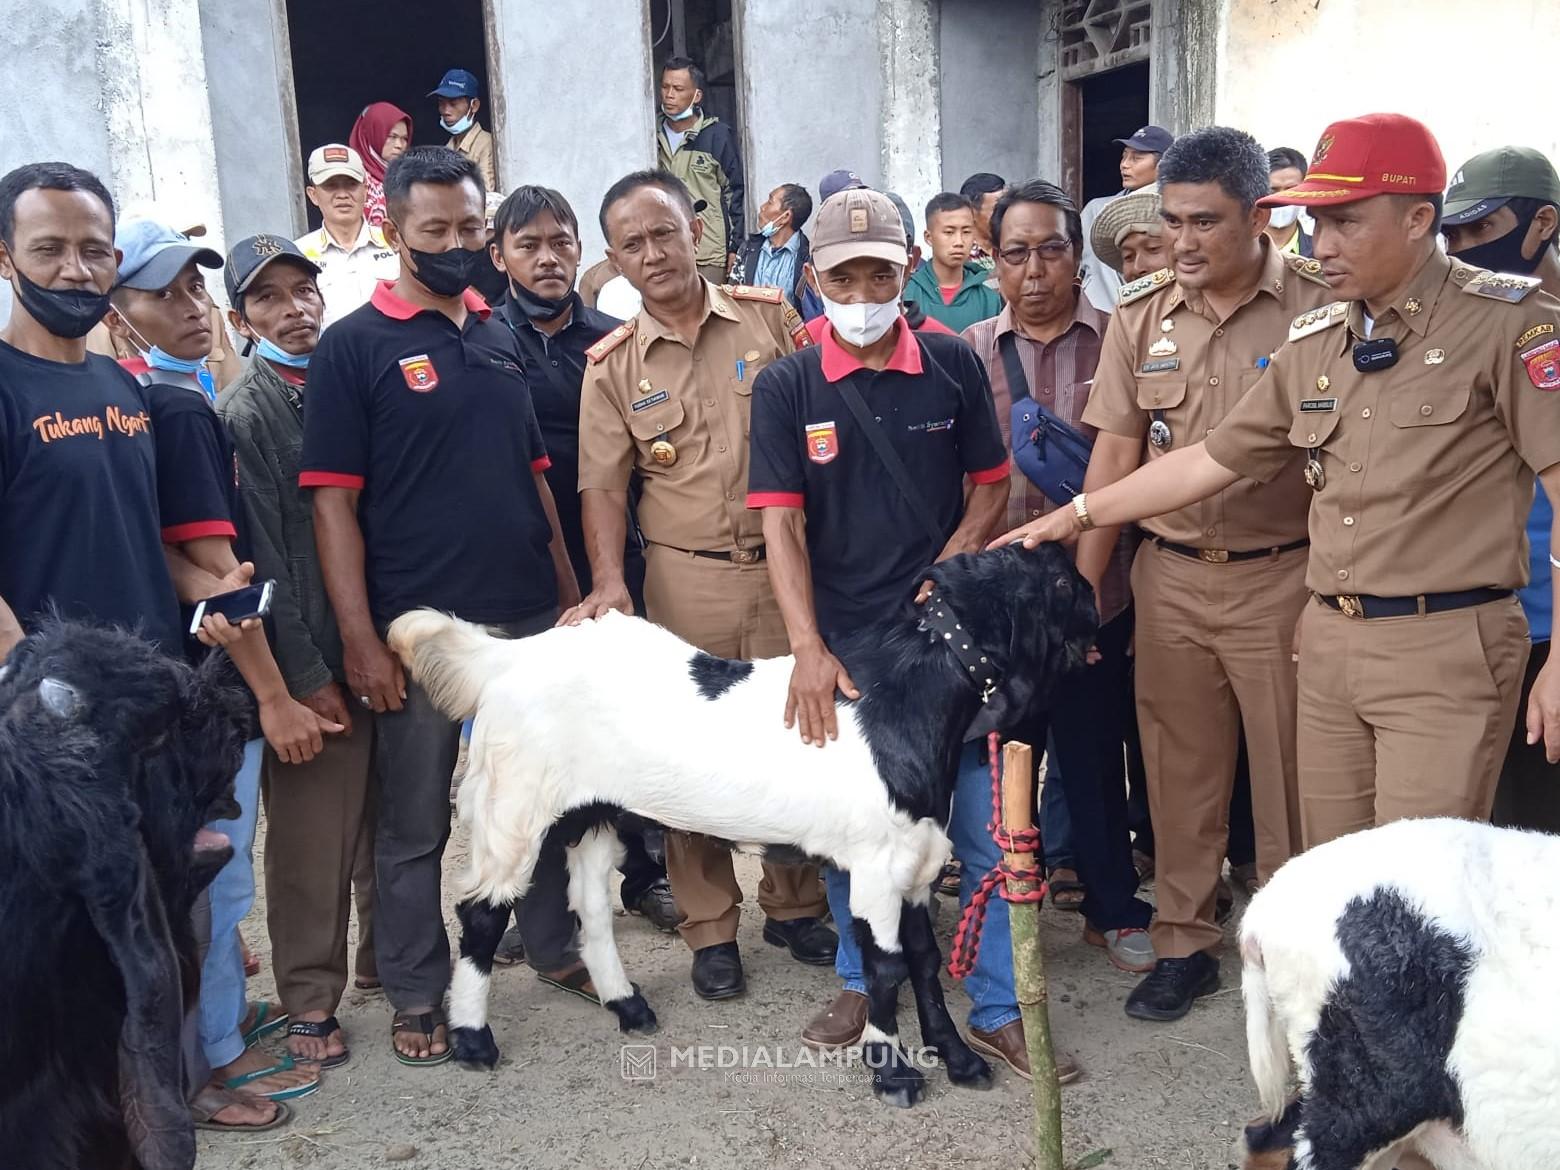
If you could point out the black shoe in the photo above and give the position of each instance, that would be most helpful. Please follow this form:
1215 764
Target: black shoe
717 972
1167 992
808 939
658 905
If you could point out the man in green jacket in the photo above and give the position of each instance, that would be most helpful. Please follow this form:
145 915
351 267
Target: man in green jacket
952 288
702 151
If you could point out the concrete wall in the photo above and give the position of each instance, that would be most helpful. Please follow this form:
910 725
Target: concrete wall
911 150
990 93
1287 68
255 127
572 99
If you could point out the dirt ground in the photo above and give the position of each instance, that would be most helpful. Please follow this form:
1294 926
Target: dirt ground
1170 1096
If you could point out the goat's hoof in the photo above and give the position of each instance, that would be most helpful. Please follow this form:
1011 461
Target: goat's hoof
966 1067
474 1048
895 1081
634 1013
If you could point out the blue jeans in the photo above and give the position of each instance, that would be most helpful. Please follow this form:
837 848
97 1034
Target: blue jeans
222 999
990 984
1055 818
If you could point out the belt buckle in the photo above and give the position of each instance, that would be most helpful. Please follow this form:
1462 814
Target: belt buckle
744 556
1214 556
1350 606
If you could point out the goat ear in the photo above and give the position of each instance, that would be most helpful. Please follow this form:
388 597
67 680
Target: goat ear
1025 677
128 916
60 699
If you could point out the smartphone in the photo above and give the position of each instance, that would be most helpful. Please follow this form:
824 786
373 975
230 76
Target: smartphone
252 601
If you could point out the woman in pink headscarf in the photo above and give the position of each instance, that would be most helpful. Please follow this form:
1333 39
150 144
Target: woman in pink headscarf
380 136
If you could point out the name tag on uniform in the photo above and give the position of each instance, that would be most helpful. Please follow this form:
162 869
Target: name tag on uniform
655 399
1314 405
1161 366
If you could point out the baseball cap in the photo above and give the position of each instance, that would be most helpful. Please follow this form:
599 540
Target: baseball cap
456 83
153 254
326 162
251 254
904 214
836 181
858 222
1118 219
1487 181
1357 158
1154 139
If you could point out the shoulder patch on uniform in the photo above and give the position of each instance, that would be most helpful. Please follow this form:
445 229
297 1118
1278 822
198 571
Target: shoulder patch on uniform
1306 268
796 327
611 341
1499 286
749 292
1144 285
1316 320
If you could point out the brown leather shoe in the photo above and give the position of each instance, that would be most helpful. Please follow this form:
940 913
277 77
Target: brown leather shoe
1007 1045
840 1024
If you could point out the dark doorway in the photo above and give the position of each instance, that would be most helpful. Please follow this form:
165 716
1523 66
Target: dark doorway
1113 105
349 53
704 31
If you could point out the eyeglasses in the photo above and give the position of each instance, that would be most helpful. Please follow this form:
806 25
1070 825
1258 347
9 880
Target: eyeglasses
1050 252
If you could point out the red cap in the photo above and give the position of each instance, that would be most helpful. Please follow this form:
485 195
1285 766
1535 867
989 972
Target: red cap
1378 154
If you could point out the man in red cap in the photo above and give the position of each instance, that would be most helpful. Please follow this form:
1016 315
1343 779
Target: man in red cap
1424 401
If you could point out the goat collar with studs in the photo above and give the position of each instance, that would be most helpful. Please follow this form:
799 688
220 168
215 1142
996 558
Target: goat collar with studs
939 620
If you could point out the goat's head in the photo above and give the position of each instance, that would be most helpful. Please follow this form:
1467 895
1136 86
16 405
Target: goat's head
137 751
1031 611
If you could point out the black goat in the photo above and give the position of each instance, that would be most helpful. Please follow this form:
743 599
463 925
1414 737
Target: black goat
112 757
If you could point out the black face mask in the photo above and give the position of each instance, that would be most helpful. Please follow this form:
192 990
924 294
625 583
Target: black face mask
538 308
1504 254
490 282
447 274
64 312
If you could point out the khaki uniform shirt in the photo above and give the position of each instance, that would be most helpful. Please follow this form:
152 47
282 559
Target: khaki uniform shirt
1166 351
477 145
1428 466
647 392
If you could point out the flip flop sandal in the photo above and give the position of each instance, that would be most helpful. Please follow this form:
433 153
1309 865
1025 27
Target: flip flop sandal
321 1030
211 1101
423 1023
948 880
285 1064
511 951
1066 893
576 982
265 1024
367 984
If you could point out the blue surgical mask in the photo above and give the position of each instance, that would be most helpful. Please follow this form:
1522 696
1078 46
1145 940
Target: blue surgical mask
459 127
768 229
272 352
159 359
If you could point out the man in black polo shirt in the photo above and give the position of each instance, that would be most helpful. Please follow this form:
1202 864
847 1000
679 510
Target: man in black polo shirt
846 544
536 249
416 428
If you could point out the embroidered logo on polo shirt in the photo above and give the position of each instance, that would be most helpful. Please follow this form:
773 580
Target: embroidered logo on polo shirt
931 426
419 373
823 442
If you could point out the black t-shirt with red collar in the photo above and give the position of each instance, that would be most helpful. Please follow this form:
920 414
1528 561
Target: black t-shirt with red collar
868 547
434 425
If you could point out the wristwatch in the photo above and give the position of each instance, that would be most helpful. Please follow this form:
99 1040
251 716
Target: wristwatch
1081 511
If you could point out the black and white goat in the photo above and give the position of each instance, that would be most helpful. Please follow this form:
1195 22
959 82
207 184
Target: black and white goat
112 757
1410 973
583 723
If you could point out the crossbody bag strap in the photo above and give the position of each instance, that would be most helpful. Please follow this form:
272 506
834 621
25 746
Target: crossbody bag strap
1013 366
892 463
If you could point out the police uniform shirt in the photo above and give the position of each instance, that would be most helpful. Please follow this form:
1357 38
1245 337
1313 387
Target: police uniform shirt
1428 465
79 528
1167 358
677 415
434 425
867 544
348 275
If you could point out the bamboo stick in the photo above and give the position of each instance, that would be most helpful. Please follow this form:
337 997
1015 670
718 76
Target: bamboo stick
1029 961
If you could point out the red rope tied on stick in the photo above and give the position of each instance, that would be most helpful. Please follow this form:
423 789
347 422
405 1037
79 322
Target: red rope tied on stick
966 939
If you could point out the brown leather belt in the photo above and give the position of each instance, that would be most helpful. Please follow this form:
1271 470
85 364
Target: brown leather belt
1220 556
737 556
1355 605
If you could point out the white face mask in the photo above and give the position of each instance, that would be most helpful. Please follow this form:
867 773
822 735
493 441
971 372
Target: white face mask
860 325
1282 217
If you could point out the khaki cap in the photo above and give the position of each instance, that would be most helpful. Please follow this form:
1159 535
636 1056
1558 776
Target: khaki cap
326 162
1137 212
858 222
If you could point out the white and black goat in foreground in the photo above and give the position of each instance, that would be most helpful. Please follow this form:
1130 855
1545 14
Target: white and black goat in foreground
577 725
1410 972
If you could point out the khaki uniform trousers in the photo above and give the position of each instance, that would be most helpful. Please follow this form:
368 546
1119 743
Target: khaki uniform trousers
1214 654
1405 716
319 850
730 611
